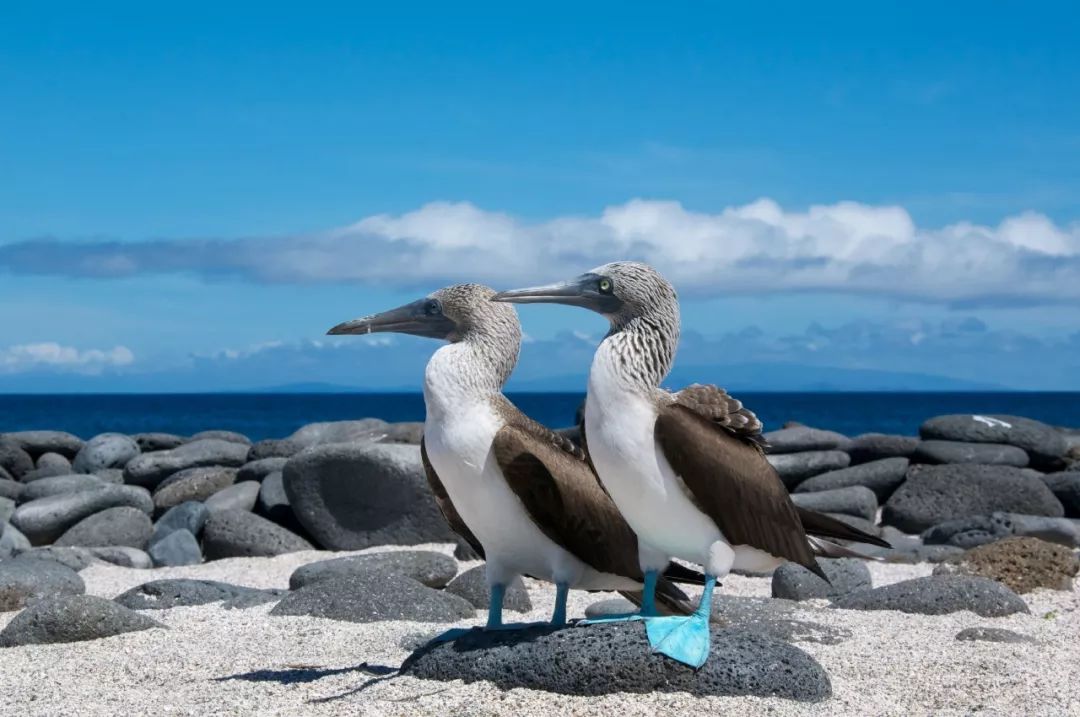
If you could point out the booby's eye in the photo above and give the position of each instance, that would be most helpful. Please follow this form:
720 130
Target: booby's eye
432 308
604 285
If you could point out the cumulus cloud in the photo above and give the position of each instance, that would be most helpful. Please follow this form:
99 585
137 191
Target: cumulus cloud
755 248
51 355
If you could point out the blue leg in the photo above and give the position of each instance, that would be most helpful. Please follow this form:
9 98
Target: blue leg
648 604
559 616
494 621
685 639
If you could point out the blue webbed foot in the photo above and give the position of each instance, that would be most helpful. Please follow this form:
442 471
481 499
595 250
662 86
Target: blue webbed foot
685 639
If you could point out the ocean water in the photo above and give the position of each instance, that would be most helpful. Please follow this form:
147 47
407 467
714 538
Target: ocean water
277 415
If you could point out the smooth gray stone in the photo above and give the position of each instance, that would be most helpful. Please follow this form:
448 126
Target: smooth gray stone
180 592
258 470
52 464
14 461
12 542
274 448
242 534
970 531
472 585
407 432
124 556
374 596
616 657
72 618
75 558
150 442
11 489
934 494
432 569
37 443
935 451
178 547
938 595
7 508
1045 445
107 450
801 439
151 469
192 484
45 519
110 475
794 582
1053 530
794 468
992 634
855 500
239 496
353 496
314 434
120 526
273 501
230 436
1066 487
190 516
56 485
881 476
876 446
24 580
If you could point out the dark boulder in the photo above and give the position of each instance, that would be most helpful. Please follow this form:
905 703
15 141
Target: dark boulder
151 469
242 534
875 446
107 450
881 476
432 569
934 451
1044 444
122 526
72 618
938 595
794 468
801 439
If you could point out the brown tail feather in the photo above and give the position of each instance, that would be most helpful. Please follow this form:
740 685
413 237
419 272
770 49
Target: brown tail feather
822 526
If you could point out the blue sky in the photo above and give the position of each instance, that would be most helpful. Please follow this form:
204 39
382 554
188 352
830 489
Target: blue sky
203 183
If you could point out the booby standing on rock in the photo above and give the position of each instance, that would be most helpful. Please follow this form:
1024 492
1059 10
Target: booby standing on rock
521 495
687 469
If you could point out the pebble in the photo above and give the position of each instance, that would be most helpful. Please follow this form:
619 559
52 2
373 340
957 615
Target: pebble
935 451
428 568
881 476
151 469
1023 564
800 439
938 595
242 534
239 496
855 500
25 579
192 484
72 618
992 634
180 592
472 585
106 450
794 468
794 582
178 547
45 519
121 526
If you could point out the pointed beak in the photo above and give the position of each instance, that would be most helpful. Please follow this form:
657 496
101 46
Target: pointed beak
408 319
576 292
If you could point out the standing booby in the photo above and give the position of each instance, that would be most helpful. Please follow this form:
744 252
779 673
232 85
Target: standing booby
524 497
687 469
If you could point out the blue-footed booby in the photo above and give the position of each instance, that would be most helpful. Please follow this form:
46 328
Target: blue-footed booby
524 497
687 469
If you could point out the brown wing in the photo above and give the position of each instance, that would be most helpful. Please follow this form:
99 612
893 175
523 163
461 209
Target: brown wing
715 405
442 499
563 496
731 482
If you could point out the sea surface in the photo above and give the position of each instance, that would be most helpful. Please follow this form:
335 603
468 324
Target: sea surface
277 415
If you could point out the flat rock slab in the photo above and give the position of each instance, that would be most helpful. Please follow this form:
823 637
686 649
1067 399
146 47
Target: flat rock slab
37 443
181 592
798 439
1044 444
856 500
794 468
72 618
424 566
881 476
607 658
55 485
938 595
24 580
992 634
935 451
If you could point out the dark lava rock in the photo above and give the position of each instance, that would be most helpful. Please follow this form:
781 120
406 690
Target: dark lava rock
56 485
934 451
12 542
1062 531
73 558
124 556
72 618
24 580
1044 443
1066 487
794 468
373 596
794 582
881 476
408 432
875 446
45 519
855 500
352 496
472 585
178 547
240 496
275 448
52 464
230 436
969 532
122 525
151 469
938 595
1022 564
190 516
616 657
192 484
151 442
180 592
273 501
38 443
992 634
801 439
241 534
432 569
934 494
14 460
258 470
107 450
315 434
10 489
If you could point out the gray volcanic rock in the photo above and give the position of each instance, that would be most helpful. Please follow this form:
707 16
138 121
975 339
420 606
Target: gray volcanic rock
432 569
190 516
1066 487
472 585
122 525
881 476
616 657
178 547
846 575
151 442
45 519
794 468
74 558
12 542
192 484
181 592
1062 531
315 434
258 470
241 534
110 475
57 485
37 443
240 496
14 460
934 451
23 580
124 556
274 501
72 618
230 436
7 508
275 448
52 464
992 634
855 500
352 496
1045 444
107 450
938 595
408 432
151 469
970 531
934 494
801 439
875 446
373 596
11 489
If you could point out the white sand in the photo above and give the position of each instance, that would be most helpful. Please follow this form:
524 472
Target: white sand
893 664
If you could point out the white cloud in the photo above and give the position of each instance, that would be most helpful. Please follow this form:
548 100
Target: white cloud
26 357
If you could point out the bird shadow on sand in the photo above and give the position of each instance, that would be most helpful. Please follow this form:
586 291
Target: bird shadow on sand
300 674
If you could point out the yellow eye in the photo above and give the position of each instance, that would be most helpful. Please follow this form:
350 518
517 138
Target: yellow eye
605 285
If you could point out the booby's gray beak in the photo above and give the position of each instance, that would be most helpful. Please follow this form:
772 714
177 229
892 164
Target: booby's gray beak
576 292
411 319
